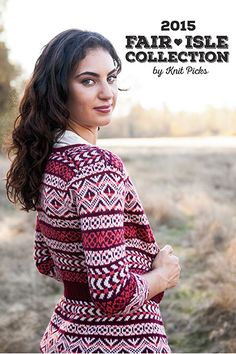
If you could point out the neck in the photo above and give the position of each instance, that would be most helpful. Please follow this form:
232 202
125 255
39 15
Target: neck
87 133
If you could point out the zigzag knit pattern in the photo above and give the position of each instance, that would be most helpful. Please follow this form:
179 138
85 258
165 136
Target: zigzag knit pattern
93 235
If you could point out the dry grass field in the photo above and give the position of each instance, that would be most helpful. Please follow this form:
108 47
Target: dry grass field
189 197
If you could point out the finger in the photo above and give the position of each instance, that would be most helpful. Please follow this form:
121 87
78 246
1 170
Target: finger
175 257
168 248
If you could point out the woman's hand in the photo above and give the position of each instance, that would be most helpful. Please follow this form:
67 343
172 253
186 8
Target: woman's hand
168 266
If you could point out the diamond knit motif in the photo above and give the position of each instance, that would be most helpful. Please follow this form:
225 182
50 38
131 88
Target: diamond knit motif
92 234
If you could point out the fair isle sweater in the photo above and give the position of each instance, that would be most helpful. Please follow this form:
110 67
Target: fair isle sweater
93 235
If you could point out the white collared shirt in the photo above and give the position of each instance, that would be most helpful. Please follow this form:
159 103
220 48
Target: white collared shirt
70 138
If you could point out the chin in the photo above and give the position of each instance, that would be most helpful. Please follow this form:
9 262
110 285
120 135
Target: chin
104 122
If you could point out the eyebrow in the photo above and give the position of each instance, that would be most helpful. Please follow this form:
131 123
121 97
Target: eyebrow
94 74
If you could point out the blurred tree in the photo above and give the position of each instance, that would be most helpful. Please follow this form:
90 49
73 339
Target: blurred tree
8 92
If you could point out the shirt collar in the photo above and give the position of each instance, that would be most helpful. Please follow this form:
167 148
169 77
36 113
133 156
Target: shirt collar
70 138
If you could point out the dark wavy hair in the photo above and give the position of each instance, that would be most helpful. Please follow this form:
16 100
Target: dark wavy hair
43 114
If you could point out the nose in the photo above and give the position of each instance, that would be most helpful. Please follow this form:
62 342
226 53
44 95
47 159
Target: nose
105 91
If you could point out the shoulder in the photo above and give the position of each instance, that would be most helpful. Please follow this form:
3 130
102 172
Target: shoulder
91 158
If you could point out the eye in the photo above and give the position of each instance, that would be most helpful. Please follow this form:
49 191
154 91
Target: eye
88 82
112 79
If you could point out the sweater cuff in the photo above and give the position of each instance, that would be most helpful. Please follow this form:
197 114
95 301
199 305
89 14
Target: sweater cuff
139 297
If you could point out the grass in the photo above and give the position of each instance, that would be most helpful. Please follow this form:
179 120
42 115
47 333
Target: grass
196 217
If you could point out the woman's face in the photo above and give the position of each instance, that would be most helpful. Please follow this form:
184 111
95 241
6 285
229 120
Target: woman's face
93 89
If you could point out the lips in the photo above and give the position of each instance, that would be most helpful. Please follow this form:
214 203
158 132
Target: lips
103 109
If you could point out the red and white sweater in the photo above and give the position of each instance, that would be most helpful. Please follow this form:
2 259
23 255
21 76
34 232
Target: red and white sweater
92 233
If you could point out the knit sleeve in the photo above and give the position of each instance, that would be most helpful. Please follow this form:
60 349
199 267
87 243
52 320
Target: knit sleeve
42 256
100 205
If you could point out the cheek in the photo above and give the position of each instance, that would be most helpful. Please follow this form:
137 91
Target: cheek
115 93
84 97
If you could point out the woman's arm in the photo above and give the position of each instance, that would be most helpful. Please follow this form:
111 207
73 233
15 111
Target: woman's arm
156 283
100 205
42 256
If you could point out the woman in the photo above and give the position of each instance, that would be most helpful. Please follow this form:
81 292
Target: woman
91 231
